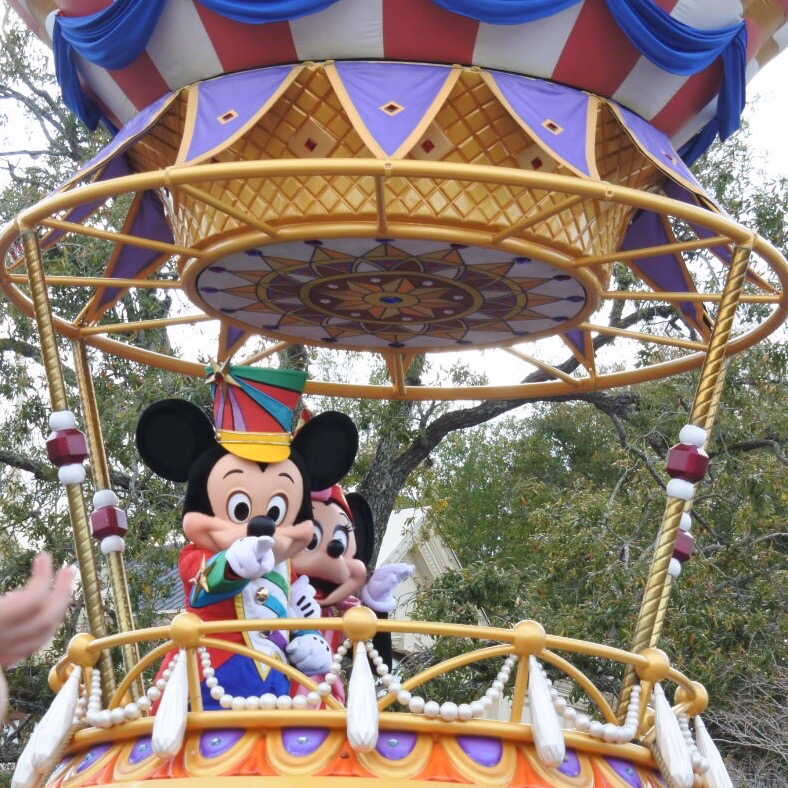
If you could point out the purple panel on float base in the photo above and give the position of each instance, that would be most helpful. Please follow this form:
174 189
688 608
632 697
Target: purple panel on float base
141 751
570 766
577 338
243 93
92 756
218 742
537 102
626 771
482 749
374 85
396 745
303 741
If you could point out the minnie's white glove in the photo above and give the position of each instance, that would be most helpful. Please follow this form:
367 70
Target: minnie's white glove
302 600
378 593
251 557
310 654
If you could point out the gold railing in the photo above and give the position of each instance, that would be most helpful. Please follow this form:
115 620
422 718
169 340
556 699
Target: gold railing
359 625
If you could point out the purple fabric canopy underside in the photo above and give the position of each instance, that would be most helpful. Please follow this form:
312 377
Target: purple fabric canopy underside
657 144
243 93
537 102
663 270
132 260
413 87
116 168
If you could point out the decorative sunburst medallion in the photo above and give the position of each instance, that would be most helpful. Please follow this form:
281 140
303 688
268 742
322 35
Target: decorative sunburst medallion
377 293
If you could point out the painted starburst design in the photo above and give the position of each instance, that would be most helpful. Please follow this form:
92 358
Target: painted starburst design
374 293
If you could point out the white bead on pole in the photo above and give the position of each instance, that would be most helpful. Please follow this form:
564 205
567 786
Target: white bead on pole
362 704
104 498
169 724
670 742
545 724
717 775
680 488
62 420
692 435
113 544
74 473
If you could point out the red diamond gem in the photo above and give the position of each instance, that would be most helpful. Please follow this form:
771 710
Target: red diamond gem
108 521
310 144
427 146
684 546
537 163
66 447
687 462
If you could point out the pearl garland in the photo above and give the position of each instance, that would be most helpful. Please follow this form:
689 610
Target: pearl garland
449 711
700 764
606 731
266 702
89 709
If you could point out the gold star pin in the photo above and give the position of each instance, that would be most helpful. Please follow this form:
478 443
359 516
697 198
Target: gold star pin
201 578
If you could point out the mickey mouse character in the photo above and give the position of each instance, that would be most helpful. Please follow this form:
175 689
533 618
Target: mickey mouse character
247 511
337 558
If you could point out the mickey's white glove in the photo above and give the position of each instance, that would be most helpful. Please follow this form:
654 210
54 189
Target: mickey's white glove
251 556
310 654
302 600
378 593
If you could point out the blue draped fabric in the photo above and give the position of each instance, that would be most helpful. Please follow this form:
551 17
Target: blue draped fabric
116 36
506 12
111 38
269 11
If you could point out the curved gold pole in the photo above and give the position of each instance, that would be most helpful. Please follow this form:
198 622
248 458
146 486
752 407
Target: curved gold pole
704 409
102 481
76 502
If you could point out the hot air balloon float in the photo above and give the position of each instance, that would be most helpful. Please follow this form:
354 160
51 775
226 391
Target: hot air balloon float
395 177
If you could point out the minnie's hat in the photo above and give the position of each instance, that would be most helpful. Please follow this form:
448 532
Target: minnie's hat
256 410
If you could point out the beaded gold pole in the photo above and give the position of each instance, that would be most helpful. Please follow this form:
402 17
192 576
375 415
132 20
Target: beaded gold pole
655 596
102 481
76 502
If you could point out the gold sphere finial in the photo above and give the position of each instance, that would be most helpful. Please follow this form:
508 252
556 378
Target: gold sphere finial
79 651
529 638
696 698
185 630
658 665
360 623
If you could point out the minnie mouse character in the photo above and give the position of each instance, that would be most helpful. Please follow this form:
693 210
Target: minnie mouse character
337 558
247 511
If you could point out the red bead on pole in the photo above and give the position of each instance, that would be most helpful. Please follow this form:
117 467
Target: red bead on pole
685 543
689 463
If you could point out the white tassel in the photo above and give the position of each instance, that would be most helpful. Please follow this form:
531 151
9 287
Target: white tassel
546 727
362 704
717 775
670 742
169 724
55 725
49 735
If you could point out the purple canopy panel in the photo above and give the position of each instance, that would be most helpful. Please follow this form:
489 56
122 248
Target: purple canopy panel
581 345
556 116
125 138
656 145
395 101
134 262
723 252
230 339
665 272
228 106
116 168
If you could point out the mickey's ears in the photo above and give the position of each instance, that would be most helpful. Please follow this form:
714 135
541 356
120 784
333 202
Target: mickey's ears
327 444
171 435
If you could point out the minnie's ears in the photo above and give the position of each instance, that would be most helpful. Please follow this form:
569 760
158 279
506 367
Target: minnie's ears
327 444
364 527
171 435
